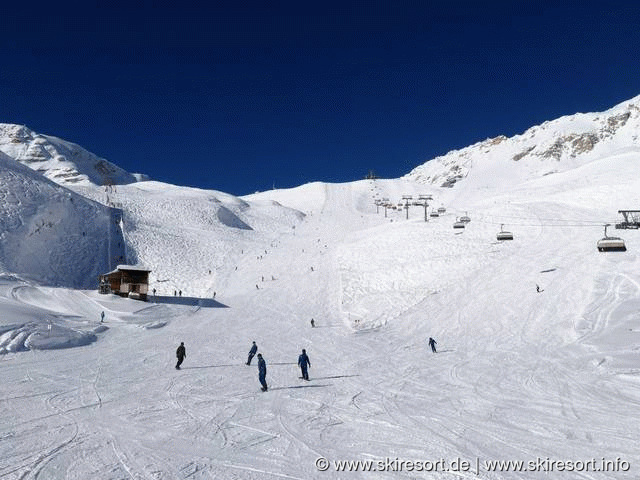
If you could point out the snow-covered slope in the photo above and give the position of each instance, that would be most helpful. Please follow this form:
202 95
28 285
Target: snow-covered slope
63 162
50 234
191 239
520 375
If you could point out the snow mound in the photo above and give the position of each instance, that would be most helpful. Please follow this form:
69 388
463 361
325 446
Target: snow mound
38 336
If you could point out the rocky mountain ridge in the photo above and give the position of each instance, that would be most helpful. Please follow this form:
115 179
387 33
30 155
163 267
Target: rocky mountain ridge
551 147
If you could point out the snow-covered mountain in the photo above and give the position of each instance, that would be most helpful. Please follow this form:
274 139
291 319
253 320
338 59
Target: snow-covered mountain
50 234
63 162
555 146
526 376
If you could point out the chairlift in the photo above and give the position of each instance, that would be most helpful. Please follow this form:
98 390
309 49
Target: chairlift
465 218
611 244
504 235
458 224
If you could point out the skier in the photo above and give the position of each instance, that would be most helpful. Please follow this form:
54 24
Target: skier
262 372
432 344
102 317
538 288
252 352
180 353
313 323
303 362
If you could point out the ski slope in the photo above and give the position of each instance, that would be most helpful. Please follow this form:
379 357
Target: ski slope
519 375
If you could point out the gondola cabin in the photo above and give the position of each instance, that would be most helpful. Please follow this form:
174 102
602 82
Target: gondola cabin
127 281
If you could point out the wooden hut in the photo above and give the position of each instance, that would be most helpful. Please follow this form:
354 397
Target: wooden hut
127 281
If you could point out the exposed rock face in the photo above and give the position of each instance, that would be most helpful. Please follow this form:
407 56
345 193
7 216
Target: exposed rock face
560 144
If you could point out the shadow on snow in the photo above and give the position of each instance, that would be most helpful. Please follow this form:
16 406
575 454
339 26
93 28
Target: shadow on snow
299 386
237 365
336 376
190 301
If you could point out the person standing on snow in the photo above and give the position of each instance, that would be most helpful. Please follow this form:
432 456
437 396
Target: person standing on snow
303 362
262 372
180 353
252 352
432 344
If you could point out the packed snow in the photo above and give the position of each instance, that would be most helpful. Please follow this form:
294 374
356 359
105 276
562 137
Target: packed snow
519 375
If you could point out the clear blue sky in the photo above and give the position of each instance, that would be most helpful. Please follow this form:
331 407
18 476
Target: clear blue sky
239 97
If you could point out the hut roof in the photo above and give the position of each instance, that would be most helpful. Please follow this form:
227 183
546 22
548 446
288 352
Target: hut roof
135 268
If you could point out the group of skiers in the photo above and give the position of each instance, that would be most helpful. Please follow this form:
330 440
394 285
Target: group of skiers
303 362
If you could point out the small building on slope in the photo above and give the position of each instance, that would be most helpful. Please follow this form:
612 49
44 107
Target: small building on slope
127 281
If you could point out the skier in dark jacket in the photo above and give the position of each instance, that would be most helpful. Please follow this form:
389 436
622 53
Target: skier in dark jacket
432 344
180 353
303 362
252 352
262 372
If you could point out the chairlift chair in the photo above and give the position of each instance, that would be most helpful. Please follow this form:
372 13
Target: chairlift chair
611 244
504 235
442 210
458 224
465 218
434 214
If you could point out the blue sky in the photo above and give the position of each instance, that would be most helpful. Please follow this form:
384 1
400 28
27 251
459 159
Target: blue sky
242 97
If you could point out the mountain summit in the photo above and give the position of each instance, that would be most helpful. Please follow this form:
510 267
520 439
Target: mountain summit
63 162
